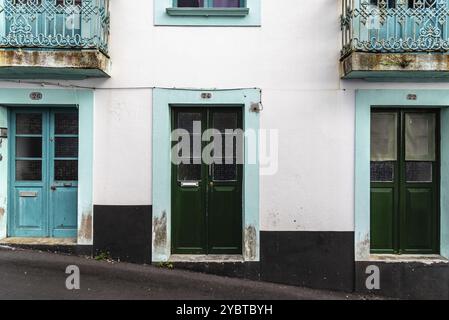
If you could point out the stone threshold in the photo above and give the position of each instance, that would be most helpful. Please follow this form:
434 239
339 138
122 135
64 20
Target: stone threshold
206 258
39 241
425 259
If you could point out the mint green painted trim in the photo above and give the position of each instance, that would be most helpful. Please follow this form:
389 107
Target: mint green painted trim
84 99
3 174
165 14
208 12
162 100
365 100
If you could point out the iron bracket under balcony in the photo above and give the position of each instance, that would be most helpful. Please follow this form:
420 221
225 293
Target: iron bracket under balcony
54 39
395 40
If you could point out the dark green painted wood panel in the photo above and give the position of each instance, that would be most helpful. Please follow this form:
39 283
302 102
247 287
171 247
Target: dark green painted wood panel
382 219
405 214
207 218
419 221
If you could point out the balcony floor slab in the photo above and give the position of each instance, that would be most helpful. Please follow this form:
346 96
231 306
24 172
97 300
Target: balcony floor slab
53 64
414 67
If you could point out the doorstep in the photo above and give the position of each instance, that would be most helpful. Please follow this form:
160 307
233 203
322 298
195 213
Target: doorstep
206 258
425 259
39 241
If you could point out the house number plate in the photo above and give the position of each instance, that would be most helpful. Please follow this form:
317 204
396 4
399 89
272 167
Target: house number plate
36 96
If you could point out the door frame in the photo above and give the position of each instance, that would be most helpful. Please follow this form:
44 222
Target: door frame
60 98
163 99
408 99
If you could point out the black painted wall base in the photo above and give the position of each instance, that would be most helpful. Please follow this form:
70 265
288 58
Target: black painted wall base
124 232
322 260
244 270
407 280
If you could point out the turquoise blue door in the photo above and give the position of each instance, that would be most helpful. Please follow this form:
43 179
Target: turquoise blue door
44 173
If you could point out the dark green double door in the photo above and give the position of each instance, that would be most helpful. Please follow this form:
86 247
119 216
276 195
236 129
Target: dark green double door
206 181
405 171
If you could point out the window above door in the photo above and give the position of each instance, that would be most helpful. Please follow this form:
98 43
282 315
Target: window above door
207 12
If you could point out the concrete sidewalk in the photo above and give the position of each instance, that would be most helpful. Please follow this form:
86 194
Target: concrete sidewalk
26 274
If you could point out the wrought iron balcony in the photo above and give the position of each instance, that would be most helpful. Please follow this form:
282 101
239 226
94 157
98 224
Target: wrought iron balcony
67 34
387 38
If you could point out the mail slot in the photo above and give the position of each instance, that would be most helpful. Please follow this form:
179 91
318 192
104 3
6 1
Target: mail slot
190 184
28 194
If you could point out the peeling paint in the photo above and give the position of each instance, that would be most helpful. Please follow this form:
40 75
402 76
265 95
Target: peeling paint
2 213
85 230
363 247
362 62
160 231
250 243
88 62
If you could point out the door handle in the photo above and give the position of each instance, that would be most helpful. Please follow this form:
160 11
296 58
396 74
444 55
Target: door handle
53 188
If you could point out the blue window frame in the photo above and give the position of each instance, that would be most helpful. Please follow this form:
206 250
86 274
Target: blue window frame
207 12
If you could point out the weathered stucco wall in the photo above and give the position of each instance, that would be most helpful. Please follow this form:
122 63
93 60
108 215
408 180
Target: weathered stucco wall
293 58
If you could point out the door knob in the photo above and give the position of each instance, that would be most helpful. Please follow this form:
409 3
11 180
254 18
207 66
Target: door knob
53 188
211 183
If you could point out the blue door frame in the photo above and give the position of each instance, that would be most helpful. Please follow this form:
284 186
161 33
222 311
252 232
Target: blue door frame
44 205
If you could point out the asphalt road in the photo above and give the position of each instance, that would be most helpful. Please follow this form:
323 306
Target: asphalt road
28 274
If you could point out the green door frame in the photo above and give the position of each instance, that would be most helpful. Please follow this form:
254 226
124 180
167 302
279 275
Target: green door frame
61 98
399 190
205 202
365 101
163 99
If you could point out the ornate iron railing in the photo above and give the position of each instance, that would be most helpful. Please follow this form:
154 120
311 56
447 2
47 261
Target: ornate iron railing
395 26
54 24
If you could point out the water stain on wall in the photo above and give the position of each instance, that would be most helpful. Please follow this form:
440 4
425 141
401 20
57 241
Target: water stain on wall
250 243
85 230
160 231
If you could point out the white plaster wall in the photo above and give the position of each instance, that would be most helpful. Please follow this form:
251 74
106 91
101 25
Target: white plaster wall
122 147
298 74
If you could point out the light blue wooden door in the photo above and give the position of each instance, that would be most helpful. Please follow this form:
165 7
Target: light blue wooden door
63 173
44 173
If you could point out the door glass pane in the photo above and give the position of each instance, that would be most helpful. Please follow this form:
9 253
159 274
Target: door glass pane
28 170
225 172
66 170
225 120
186 121
66 123
189 172
383 136
420 137
28 147
226 3
190 3
66 147
28 123
382 171
418 171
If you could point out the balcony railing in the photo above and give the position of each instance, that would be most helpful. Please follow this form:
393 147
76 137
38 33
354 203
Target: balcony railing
395 26
54 24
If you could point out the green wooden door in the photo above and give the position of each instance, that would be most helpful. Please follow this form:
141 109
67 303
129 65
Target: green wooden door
206 181
405 181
